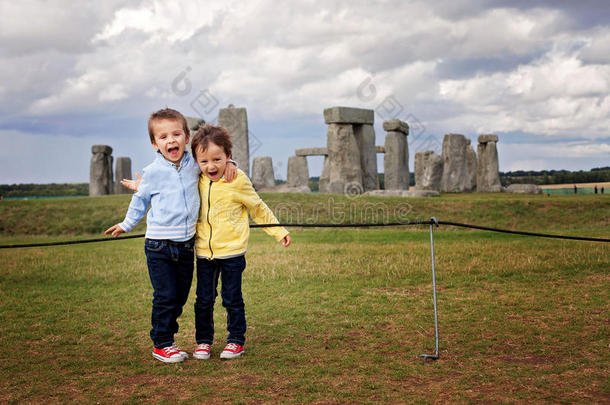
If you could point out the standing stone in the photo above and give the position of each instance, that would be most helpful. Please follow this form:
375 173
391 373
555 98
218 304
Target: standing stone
351 165
298 171
235 120
344 171
365 137
454 163
262 173
122 171
488 175
100 171
471 169
396 159
428 171
323 186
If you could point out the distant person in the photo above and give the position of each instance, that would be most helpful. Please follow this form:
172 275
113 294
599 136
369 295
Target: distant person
222 239
602 190
169 187
575 189
595 189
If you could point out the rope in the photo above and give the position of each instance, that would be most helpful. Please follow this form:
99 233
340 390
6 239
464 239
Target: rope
432 221
541 235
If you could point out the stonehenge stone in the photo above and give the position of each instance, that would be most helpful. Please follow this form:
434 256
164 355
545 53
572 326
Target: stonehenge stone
235 120
396 159
100 171
348 115
488 138
403 193
311 152
379 149
523 189
325 177
262 172
365 138
298 172
488 175
471 169
104 149
455 166
396 125
350 165
428 171
344 166
285 188
122 171
422 193
194 123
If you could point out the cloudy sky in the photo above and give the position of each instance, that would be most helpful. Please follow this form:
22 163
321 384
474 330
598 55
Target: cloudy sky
537 73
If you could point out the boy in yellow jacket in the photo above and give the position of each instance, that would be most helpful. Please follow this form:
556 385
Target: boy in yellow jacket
222 238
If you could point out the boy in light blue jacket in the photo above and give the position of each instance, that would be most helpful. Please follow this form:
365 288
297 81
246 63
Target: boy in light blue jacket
169 188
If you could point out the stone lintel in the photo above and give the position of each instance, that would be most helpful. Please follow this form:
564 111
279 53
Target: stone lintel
105 149
379 149
396 125
348 115
488 138
311 152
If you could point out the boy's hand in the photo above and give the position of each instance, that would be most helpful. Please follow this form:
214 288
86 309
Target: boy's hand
115 230
286 241
132 184
230 172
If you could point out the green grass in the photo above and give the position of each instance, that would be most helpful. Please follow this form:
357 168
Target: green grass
86 216
339 317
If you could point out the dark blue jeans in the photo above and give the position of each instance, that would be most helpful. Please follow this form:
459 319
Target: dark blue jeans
170 267
230 272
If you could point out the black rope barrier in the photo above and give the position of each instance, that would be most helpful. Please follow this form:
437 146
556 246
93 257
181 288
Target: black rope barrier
305 225
540 235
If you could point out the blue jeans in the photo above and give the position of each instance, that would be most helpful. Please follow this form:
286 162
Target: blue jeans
170 267
230 272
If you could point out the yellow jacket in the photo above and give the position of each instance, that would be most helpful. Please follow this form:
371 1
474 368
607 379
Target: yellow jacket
223 227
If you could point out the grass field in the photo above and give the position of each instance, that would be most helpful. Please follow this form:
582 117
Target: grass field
339 317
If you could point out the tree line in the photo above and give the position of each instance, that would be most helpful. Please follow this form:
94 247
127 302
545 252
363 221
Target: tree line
44 190
596 175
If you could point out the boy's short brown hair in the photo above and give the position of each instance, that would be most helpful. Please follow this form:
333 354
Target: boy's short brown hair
210 133
167 114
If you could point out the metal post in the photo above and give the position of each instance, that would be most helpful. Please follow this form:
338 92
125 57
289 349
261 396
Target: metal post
433 222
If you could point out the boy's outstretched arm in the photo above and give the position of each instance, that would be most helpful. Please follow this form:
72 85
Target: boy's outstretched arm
115 230
286 241
132 184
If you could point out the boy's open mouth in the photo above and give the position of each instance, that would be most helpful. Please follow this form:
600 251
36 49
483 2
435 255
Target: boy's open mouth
173 149
212 173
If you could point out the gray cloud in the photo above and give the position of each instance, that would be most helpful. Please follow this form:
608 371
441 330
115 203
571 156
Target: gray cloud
98 70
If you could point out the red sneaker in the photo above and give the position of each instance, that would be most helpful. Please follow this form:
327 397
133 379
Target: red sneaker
231 351
202 351
167 355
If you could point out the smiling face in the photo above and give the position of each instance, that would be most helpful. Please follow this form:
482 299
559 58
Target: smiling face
212 161
170 139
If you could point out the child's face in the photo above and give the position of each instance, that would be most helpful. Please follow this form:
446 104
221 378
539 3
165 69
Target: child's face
212 161
170 139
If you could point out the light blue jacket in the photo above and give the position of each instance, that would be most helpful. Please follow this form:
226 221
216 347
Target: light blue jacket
173 198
